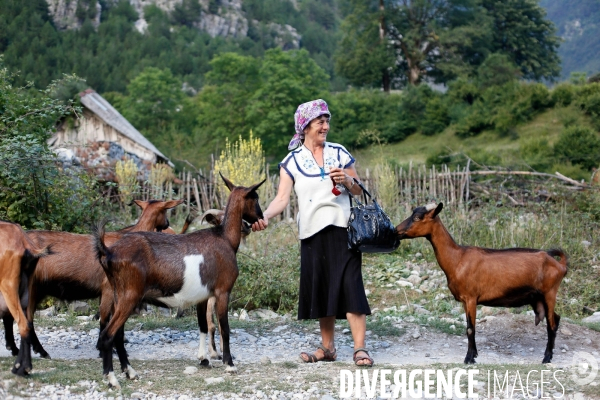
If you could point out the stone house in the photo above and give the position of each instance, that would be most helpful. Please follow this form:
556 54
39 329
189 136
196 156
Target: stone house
101 137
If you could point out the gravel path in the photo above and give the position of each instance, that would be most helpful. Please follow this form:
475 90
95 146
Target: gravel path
502 339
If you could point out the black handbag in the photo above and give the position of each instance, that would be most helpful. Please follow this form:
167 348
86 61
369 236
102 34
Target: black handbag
370 230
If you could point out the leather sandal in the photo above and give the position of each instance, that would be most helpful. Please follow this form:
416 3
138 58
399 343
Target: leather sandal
328 355
358 358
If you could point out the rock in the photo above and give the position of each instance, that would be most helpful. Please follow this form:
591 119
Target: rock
265 360
79 307
327 397
404 283
263 314
210 381
94 332
416 334
485 311
566 331
48 312
563 346
414 279
244 315
164 311
137 395
592 318
280 328
64 13
346 331
190 370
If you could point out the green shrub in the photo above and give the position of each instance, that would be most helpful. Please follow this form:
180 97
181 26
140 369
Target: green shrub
537 153
436 117
579 146
563 94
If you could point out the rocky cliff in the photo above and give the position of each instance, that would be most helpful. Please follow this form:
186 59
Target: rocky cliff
226 19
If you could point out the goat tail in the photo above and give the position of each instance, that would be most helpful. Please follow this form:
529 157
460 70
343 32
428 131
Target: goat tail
188 221
101 249
563 257
34 251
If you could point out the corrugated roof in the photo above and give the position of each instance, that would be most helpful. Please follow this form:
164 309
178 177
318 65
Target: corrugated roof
106 112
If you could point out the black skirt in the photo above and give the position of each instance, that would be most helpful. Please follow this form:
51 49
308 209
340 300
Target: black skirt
330 276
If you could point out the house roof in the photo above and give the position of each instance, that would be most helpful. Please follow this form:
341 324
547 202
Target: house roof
107 113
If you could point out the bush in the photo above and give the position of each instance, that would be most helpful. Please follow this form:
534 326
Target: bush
563 94
537 153
579 146
436 117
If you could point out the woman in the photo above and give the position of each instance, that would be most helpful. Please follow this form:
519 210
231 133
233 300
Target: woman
331 283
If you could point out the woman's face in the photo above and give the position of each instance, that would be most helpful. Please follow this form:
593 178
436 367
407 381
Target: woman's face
317 130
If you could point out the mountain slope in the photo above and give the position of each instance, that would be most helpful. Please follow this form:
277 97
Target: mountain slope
578 23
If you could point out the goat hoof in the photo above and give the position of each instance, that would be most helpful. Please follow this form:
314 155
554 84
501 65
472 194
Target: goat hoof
17 370
14 352
231 369
205 363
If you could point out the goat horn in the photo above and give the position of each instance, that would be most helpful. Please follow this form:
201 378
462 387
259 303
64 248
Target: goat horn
214 211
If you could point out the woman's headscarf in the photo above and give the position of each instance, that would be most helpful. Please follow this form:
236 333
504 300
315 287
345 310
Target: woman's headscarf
305 113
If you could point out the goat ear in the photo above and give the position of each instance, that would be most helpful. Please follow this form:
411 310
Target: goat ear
172 203
256 186
228 183
438 209
141 204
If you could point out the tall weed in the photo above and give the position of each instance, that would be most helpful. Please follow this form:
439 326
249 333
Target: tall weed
243 163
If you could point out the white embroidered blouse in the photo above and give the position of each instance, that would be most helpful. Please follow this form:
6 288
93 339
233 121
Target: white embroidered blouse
318 206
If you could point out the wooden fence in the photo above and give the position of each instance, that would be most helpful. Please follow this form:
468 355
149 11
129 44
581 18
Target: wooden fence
416 186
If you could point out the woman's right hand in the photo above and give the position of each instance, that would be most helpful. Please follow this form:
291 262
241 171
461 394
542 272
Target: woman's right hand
260 225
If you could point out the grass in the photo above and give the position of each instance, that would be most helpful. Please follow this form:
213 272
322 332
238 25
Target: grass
165 378
417 147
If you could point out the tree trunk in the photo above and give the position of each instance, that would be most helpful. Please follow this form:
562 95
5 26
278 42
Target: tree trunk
385 78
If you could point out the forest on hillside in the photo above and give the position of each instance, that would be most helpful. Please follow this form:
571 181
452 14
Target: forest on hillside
189 92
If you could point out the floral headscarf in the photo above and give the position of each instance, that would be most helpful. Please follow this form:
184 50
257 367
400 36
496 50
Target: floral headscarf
305 113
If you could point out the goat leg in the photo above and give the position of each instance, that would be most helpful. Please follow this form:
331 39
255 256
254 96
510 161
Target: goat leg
119 344
203 326
9 334
37 346
471 312
212 348
23 366
552 322
222 303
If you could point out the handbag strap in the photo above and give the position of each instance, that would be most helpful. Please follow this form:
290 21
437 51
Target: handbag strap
365 193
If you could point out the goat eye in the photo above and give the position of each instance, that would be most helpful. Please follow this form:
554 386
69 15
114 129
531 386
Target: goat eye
416 218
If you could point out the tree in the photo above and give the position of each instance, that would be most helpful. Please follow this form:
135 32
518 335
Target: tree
229 86
522 32
34 191
364 55
288 79
155 97
443 39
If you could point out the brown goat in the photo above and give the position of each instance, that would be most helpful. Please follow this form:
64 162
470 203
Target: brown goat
497 278
18 258
72 271
176 270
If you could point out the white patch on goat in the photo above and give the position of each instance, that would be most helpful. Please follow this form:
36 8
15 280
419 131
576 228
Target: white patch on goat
112 380
202 347
193 290
430 206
